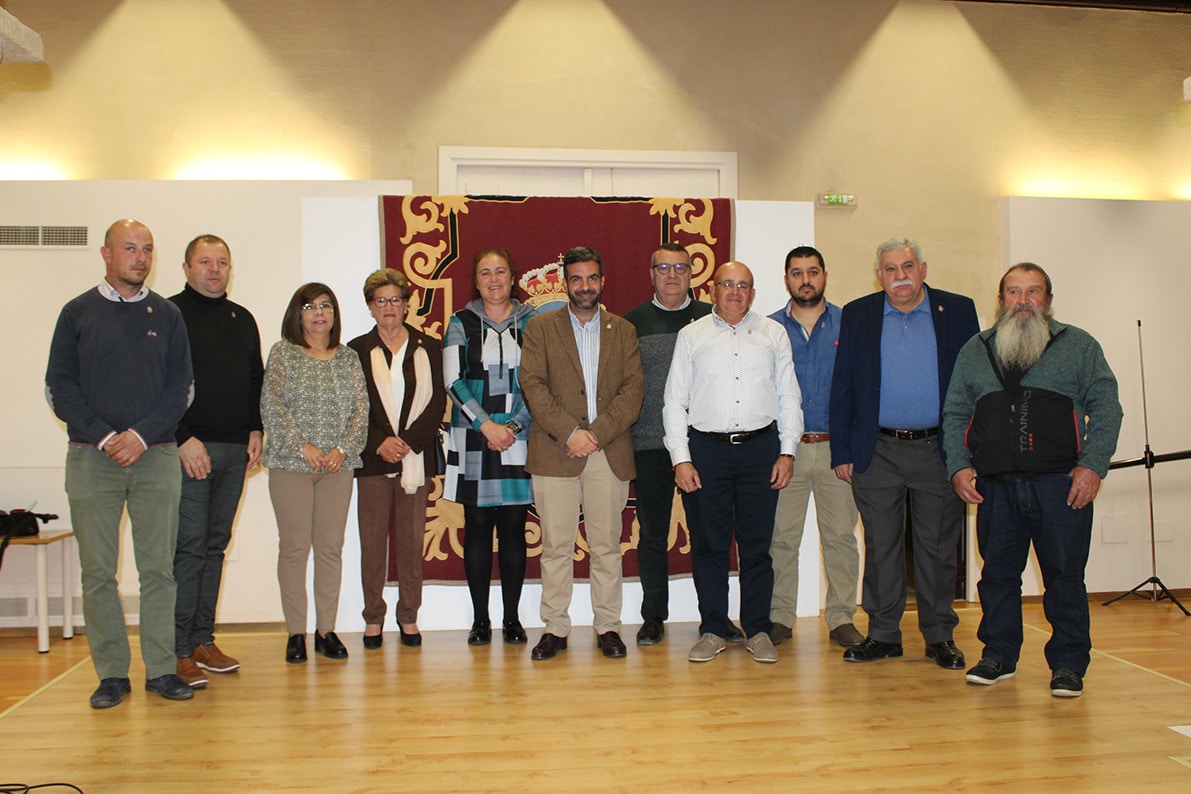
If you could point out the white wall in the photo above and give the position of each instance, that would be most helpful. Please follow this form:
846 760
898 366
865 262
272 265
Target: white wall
281 234
262 222
1114 263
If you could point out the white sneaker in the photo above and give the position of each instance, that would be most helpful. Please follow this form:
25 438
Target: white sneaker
708 646
761 647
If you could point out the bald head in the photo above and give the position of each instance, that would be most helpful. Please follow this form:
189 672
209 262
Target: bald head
734 291
128 254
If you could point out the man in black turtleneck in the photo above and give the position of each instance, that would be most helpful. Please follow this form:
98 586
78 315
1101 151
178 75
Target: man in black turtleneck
219 439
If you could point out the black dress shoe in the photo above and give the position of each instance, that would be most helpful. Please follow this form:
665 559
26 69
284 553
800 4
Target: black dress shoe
611 645
329 645
480 634
651 632
295 649
733 634
548 647
410 640
871 650
946 655
514 633
374 641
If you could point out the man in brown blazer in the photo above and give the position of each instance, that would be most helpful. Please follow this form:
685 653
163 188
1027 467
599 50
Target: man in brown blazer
581 377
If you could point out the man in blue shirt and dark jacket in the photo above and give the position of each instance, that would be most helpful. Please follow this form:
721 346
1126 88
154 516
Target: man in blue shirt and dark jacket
896 351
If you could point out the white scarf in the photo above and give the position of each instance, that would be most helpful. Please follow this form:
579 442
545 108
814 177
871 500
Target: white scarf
413 470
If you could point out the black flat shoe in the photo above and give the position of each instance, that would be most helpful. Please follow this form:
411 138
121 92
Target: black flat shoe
514 633
410 640
295 649
871 650
373 642
329 645
481 633
946 655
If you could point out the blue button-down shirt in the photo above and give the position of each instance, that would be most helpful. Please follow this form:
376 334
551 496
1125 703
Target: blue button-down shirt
587 339
814 361
909 368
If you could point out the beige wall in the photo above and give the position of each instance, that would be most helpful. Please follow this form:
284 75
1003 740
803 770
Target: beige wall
929 110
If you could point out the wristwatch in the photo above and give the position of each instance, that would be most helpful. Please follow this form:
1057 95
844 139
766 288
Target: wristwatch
512 425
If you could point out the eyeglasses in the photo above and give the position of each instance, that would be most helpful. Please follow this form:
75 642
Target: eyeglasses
319 307
680 268
395 302
743 286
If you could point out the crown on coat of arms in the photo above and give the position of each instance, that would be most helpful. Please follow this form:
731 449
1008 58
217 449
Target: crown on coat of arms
544 284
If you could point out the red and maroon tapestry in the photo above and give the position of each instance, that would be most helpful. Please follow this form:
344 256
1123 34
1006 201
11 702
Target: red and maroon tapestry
432 239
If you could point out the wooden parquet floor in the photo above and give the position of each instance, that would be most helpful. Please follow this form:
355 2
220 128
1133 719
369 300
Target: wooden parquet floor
452 718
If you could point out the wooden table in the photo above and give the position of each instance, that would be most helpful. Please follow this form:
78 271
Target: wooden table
42 541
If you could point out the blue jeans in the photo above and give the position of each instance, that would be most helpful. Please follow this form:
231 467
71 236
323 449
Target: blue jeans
1010 518
205 516
98 489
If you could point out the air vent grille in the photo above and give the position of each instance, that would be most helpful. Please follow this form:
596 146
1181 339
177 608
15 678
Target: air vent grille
20 235
64 235
55 236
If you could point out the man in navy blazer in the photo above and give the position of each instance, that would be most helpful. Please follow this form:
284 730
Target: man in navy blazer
896 351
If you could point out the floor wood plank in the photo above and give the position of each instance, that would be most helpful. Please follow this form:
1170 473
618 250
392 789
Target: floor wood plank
452 718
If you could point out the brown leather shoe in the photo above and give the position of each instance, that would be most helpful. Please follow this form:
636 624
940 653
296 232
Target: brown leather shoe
190 674
548 647
209 657
611 645
780 633
846 635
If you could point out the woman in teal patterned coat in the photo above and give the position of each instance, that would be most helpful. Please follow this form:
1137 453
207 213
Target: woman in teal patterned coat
489 436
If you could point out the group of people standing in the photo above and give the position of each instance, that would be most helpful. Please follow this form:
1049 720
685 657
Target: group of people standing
895 401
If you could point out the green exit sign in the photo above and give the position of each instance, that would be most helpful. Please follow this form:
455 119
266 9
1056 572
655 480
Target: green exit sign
836 200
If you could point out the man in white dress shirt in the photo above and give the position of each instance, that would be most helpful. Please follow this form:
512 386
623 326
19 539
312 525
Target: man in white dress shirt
733 417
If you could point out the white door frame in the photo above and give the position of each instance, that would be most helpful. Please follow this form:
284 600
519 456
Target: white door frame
593 161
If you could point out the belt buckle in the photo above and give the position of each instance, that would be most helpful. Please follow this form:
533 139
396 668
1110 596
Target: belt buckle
734 438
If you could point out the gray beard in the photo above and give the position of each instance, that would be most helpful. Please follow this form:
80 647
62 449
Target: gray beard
1020 343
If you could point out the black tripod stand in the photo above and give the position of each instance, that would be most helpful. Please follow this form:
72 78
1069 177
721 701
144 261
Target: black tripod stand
1149 460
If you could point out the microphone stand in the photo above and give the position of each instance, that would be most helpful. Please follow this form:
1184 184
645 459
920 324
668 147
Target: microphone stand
1149 460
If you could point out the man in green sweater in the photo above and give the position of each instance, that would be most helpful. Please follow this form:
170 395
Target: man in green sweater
1030 423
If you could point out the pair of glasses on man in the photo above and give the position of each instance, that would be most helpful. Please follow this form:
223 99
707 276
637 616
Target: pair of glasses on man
680 268
743 286
381 303
319 307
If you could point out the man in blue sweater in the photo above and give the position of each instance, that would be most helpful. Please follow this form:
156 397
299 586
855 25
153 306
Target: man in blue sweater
119 376
1029 425
219 439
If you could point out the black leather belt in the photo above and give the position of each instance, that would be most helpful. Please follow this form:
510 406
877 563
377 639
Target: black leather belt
909 435
735 438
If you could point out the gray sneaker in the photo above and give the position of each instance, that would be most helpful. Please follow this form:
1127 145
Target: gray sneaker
707 648
761 647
